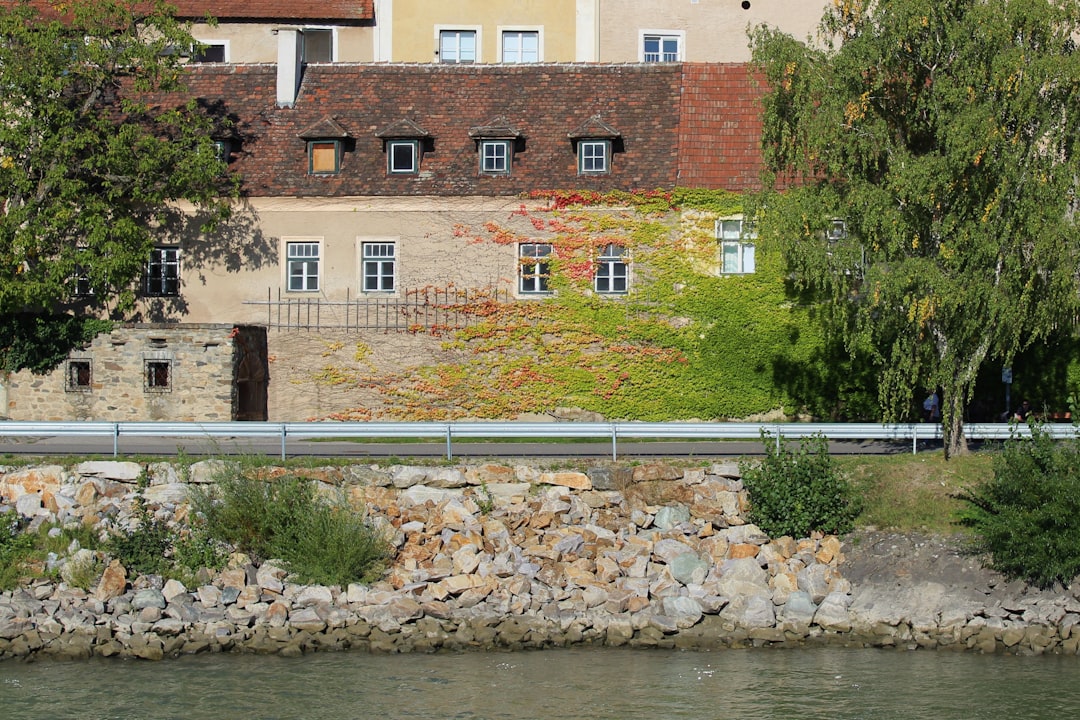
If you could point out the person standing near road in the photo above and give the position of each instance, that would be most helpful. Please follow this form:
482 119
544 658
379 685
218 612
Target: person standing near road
932 407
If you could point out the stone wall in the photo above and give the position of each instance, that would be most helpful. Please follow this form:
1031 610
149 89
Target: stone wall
496 556
136 373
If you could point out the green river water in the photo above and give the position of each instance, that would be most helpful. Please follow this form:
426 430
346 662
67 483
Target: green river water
590 683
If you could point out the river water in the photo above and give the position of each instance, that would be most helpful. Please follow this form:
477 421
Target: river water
591 683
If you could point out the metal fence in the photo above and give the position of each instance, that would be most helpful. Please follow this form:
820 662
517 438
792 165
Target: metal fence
448 432
421 309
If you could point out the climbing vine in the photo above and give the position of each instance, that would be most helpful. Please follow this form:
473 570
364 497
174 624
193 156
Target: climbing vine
683 342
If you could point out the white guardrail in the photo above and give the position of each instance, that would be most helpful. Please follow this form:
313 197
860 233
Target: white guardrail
449 431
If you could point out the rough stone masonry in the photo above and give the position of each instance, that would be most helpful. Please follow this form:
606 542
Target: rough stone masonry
499 556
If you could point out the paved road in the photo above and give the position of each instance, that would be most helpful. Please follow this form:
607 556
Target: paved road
59 446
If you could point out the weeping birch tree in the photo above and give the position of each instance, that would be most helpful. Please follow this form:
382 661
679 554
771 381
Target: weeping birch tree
930 153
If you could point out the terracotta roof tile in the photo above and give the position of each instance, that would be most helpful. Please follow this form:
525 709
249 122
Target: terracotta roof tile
282 10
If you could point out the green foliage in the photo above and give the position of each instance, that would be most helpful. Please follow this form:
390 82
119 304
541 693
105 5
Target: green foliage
797 492
943 134
15 548
145 547
1026 515
285 518
94 157
41 342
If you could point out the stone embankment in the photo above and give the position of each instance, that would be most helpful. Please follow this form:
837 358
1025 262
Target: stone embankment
492 556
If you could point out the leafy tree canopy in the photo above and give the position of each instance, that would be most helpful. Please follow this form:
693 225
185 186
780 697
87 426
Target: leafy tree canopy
944 134
91 168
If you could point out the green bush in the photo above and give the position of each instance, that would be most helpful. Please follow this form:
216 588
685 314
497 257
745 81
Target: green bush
285 518
15 549
1026 516
795 493
145 548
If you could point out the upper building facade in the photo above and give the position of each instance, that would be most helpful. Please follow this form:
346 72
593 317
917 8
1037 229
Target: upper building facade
494 31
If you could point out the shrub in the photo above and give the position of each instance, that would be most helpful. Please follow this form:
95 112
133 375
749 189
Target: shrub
1025 516
15 549
144 548
795 493
319 540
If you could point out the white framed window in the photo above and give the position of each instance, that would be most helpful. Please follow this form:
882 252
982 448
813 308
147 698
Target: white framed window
80 283
378 266
163 272
302 260
737 253
534 269
837 230
210 51
495 156
520 45
157 376
403 157
319 45
594 157
79 376
324 157
612 271
661 45
458 45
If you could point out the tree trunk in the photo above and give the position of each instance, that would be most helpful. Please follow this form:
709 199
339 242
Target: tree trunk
952 423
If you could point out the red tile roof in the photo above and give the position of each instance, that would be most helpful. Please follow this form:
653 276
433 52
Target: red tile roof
281 10
689 125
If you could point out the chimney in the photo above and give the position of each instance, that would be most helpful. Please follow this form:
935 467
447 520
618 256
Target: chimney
290 59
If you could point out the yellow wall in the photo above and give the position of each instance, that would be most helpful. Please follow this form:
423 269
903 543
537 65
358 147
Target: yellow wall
415 21
257 43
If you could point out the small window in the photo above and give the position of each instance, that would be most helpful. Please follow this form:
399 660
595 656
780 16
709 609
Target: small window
837 230
533 267
457 46
163 272
379 262
612 271
495 157
302 266
403 157
223 150
520 46
737 254
78 376
80 283
211 52
657 47
158 374
318 45
594 157
324 157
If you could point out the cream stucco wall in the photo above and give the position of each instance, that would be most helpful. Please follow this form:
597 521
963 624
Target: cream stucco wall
416 22
712 30
435 241
256 42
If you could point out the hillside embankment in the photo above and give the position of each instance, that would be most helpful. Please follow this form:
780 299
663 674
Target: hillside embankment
515 556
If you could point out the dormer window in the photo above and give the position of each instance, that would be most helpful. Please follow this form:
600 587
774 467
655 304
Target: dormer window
404 143
324 157
595 142
223 150
325 146
496 144
594 157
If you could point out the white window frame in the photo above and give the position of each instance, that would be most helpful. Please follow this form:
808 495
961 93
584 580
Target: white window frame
391 145
612 270
735 239
303 262
534 268
678 35
506 158
592 144
224 44
333 31
377 265
477 33
520 30
163 272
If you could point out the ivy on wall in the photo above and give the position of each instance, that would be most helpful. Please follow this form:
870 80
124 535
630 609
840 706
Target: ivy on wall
684 342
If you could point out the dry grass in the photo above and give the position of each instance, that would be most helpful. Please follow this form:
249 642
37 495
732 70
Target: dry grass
914 492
